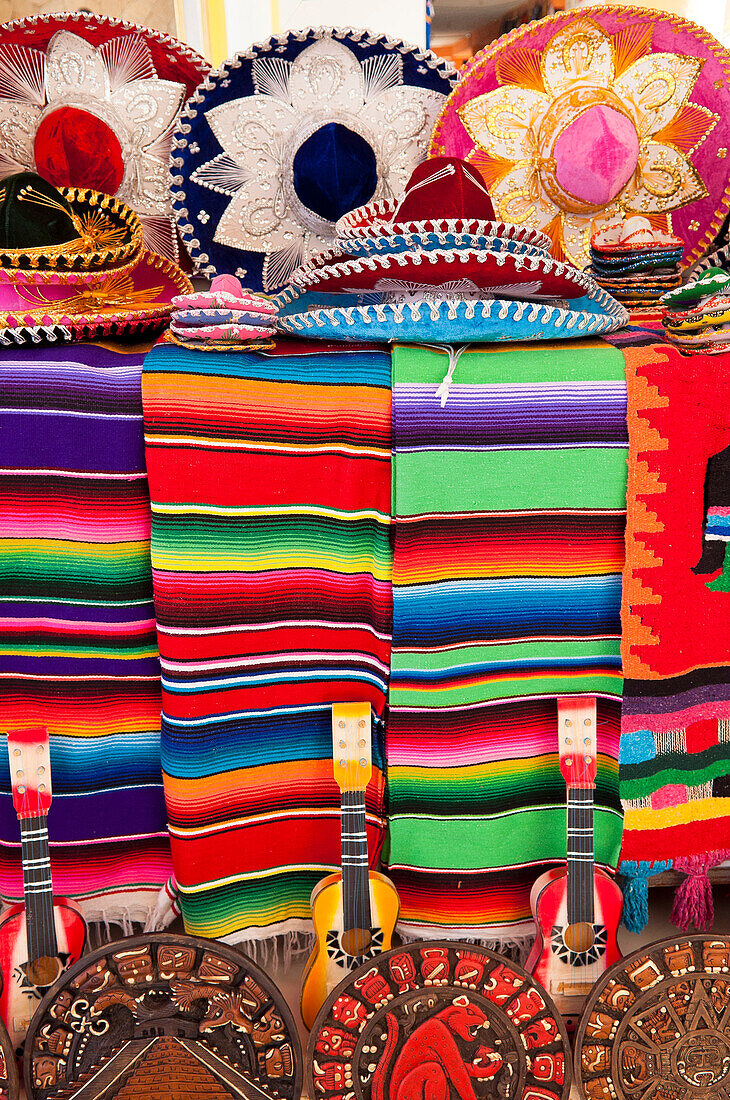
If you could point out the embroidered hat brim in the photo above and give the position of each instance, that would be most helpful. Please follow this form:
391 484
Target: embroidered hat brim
348 248
231 333
377 220
134 300
91 102
453 321
281 141
572 119
505 274
109 235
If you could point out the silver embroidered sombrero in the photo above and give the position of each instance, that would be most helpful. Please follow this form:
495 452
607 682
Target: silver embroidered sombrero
90 102
285 138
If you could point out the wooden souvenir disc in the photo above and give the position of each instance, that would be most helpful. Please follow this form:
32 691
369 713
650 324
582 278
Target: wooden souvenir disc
658 1024
168 1017
9 1079
438 1021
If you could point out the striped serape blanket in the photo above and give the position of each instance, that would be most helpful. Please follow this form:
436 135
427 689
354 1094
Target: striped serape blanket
509 496
674 773
79 653
270 486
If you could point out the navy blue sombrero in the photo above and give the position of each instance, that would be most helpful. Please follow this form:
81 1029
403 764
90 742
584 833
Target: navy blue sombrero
288 136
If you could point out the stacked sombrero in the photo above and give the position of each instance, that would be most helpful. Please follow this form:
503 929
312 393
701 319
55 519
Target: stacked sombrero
437 268
697 316
635 262
72 267
224 318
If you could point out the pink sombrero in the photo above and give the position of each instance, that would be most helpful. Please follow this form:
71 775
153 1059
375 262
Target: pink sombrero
135 300
594 114
89 101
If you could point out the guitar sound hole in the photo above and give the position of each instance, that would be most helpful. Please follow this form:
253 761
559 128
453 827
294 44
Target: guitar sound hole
43 971
356 941
579 937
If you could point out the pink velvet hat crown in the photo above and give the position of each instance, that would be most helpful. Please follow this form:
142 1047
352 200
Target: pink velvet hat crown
445 187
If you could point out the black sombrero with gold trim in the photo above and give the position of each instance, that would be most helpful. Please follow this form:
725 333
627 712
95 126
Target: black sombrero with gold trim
44 228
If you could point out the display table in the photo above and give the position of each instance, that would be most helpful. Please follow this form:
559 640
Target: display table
79 653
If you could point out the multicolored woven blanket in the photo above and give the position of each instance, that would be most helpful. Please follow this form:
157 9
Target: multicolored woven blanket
509 492
270 486
77 631
675 740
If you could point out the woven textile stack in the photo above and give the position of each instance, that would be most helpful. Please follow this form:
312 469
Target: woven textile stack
509 518
270 486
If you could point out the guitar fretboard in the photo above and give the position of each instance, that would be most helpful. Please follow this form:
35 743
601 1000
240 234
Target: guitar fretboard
38 888
580 855
355 879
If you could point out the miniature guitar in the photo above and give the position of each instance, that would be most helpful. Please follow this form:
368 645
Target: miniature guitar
355 910
40 939
577 908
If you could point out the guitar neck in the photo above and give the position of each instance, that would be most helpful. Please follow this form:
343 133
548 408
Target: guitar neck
580 855
355 877
38 888
577 750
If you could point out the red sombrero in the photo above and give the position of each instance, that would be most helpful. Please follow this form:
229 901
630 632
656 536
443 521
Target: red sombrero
443 195
506 274
447 188
90 101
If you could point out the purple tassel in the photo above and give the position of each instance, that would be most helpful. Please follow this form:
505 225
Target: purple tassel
693 900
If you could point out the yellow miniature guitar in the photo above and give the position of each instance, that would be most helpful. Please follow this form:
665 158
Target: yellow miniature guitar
355 910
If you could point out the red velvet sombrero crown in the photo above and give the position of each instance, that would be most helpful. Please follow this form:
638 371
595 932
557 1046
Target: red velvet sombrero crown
445 187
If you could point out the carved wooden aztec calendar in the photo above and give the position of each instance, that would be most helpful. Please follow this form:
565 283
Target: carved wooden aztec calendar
9 1080
163 1017
438 1020
657 1025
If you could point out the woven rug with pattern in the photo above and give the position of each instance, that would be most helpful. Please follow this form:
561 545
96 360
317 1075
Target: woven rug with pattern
508 500
78 652
270 485
675 736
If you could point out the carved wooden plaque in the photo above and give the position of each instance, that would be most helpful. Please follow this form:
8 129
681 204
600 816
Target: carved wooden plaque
162 1016
438 1021
9 1078
658 1024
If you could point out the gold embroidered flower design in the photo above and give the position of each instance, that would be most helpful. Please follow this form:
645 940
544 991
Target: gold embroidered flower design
590 129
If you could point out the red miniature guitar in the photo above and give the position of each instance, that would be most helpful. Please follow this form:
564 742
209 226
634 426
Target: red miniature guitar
577 908
40 939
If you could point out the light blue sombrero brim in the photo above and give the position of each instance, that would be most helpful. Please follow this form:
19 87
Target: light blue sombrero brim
413 242
452 321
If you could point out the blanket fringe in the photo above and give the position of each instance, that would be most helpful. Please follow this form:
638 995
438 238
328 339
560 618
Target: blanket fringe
635 885
693 899
274 951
